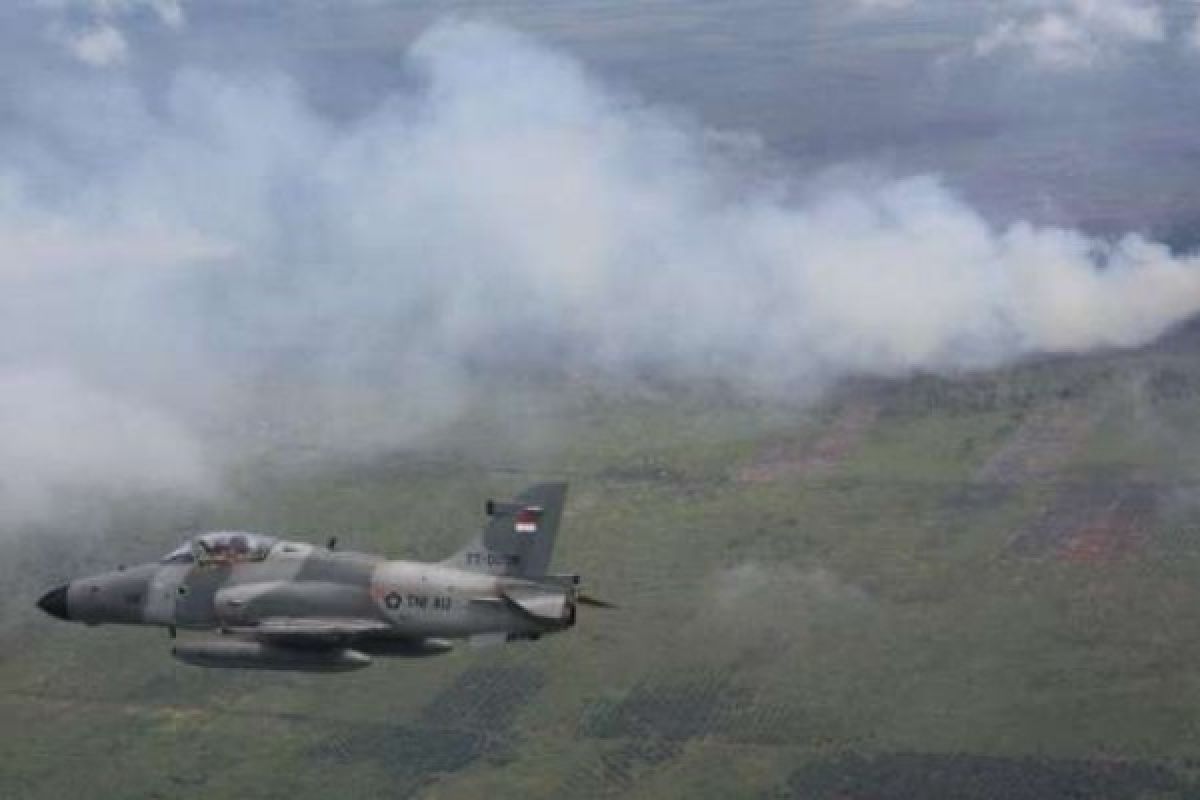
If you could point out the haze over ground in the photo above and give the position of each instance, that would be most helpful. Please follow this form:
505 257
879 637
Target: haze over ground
332 225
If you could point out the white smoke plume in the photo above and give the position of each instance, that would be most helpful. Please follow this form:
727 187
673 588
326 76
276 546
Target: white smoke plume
219 257
62 436
818 600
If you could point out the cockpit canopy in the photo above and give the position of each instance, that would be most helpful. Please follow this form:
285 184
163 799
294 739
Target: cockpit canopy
222 547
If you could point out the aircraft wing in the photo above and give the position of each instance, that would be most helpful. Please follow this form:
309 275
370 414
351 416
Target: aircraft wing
311 632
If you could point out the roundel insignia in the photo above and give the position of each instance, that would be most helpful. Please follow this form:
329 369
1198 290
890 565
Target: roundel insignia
392 600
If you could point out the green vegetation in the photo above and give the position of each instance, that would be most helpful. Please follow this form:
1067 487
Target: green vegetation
985 586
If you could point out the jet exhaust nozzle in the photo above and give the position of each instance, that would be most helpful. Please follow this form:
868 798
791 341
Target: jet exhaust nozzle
256 655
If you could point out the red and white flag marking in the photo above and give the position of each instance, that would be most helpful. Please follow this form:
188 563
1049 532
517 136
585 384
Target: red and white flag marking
527 520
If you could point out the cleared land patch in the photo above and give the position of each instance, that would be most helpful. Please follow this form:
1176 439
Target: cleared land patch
1092 523
791 461
1040 447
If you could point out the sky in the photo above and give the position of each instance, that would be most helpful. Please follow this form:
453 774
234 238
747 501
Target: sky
334 226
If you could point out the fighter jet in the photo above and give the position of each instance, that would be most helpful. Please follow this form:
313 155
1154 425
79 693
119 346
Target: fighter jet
278 604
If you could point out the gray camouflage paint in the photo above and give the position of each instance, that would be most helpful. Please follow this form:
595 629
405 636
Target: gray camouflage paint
308 608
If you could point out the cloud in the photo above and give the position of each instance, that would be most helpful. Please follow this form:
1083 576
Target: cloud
224 263
882 5
91 30
170 13
1073 34
99 46
167 12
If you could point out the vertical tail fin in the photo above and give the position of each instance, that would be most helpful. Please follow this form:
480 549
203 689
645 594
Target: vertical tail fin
518 539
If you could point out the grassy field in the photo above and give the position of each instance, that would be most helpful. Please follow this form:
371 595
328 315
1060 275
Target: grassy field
979 587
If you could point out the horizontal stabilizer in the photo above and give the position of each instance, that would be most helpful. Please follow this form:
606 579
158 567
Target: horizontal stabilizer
543 604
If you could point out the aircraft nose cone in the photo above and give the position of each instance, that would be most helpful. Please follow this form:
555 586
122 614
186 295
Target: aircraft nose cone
54 602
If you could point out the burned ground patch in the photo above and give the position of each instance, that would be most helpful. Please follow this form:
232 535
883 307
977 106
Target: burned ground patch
411 756
970 777
688 707
618 768
485 699
1092 522
673 709
465 721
